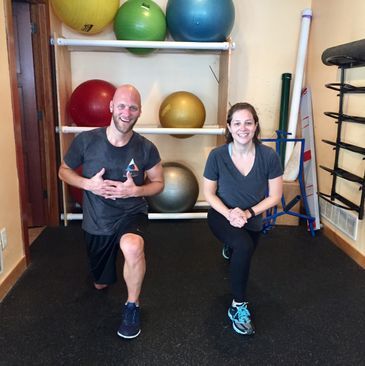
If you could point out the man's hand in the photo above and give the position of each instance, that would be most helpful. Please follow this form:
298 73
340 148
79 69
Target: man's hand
115 189
96 183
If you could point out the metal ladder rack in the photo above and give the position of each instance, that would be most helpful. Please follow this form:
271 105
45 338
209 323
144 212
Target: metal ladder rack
339 172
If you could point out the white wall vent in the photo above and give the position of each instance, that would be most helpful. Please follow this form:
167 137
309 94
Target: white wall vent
345 220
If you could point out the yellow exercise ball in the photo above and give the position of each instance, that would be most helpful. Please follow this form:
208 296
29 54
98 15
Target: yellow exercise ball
182 110
86 16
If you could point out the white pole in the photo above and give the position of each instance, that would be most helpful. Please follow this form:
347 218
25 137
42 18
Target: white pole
152 216
155 130
298 81
218 46
178 216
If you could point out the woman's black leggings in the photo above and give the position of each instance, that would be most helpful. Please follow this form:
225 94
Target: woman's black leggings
243 243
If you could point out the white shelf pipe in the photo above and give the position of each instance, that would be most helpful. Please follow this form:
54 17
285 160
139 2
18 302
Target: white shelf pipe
154 130
218 46
152 216
201 204
177 216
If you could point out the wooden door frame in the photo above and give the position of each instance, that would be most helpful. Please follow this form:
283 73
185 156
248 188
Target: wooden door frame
17 126
45 91
45 101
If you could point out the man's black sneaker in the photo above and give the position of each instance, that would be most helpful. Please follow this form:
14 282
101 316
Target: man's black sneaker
241 319
226 252
131 325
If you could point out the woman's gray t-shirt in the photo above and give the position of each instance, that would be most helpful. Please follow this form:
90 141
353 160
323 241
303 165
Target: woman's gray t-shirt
238 190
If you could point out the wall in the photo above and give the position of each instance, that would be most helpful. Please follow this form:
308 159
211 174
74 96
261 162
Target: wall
9 187
267 35
339 23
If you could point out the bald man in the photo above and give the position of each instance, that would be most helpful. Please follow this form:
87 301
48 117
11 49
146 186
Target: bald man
119 168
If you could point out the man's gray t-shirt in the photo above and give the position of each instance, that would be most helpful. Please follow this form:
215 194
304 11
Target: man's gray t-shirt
93 151
238 190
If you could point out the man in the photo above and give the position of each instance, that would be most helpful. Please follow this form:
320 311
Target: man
120 168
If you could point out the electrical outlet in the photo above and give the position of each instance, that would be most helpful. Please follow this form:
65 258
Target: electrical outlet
3 238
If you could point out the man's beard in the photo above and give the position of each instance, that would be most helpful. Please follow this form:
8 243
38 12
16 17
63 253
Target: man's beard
123 127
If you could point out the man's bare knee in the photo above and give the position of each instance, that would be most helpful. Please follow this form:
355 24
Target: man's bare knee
132 246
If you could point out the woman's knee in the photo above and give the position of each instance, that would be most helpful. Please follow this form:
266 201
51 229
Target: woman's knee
243 245
132 246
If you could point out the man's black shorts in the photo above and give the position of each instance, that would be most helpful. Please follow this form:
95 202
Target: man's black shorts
103 249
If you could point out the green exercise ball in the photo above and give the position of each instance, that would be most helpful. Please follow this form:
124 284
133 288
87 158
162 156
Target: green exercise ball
140 20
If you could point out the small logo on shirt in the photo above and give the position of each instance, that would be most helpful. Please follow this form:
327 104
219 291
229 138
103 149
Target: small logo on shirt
132 168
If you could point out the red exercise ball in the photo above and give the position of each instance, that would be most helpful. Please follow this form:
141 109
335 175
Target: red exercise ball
89 103
77 193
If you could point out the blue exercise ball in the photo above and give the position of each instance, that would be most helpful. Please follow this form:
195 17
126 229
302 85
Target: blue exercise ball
200 20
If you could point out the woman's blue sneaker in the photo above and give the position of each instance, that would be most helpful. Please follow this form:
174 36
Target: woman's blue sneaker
241 319
226 252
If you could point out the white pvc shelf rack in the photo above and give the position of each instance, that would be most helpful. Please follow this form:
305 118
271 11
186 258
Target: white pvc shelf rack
117 44
159 216
152 216
154 130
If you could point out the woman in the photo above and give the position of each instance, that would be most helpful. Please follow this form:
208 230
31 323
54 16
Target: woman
242 179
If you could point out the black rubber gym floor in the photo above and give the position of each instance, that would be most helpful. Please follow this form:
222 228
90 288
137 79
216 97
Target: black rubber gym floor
307 297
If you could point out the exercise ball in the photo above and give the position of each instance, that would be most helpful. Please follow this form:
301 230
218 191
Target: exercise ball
140 20
182 109
77 193
86 16
200 20
180 192
89 104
